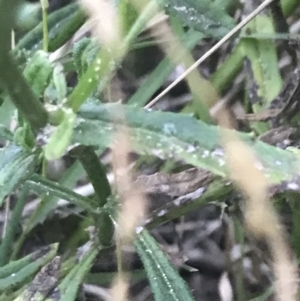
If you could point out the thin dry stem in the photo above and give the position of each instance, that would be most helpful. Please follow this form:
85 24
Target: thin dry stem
211 51
173 47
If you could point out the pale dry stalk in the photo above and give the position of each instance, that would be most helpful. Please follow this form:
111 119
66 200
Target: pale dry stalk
104 15
260 216
119 289
108 31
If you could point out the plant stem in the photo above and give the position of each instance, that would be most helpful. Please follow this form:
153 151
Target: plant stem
97 177
107 61
45 6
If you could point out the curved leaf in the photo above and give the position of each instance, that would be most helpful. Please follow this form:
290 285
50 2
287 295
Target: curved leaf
29 270
61 138
6 246
204 16
14 266
42 185
69 286
178 137
263 60
5 133
33 39
16 166
166 283
38 72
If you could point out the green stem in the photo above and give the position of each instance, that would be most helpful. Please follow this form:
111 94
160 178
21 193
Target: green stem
45 6
95 171
107 61
97 177
228 70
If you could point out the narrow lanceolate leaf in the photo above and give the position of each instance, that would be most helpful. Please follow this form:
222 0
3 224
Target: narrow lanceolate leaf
15 266
36 263
178 137
33 39
6 246
38 72
42 185
204 16
16 166
59 81
43 283
61 138
265 81
69 286
84 52
5 133
166 283
105 63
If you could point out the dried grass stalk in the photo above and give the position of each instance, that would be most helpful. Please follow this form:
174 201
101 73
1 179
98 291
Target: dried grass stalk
260 216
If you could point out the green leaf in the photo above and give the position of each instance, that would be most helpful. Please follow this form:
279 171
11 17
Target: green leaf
156 79
43 283
228 70
33 39
6 246
61 138
60 83
42 185
24 137
14 266
37 261
7 111
84 52
127 14
28 15
106 62
15 85
216 190
69 286
166 283
52 193
65 29
16 166
178 137
38 72
204 16
49 202
5 133
263 59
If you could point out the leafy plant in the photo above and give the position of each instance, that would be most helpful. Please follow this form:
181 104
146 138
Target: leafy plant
45 116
